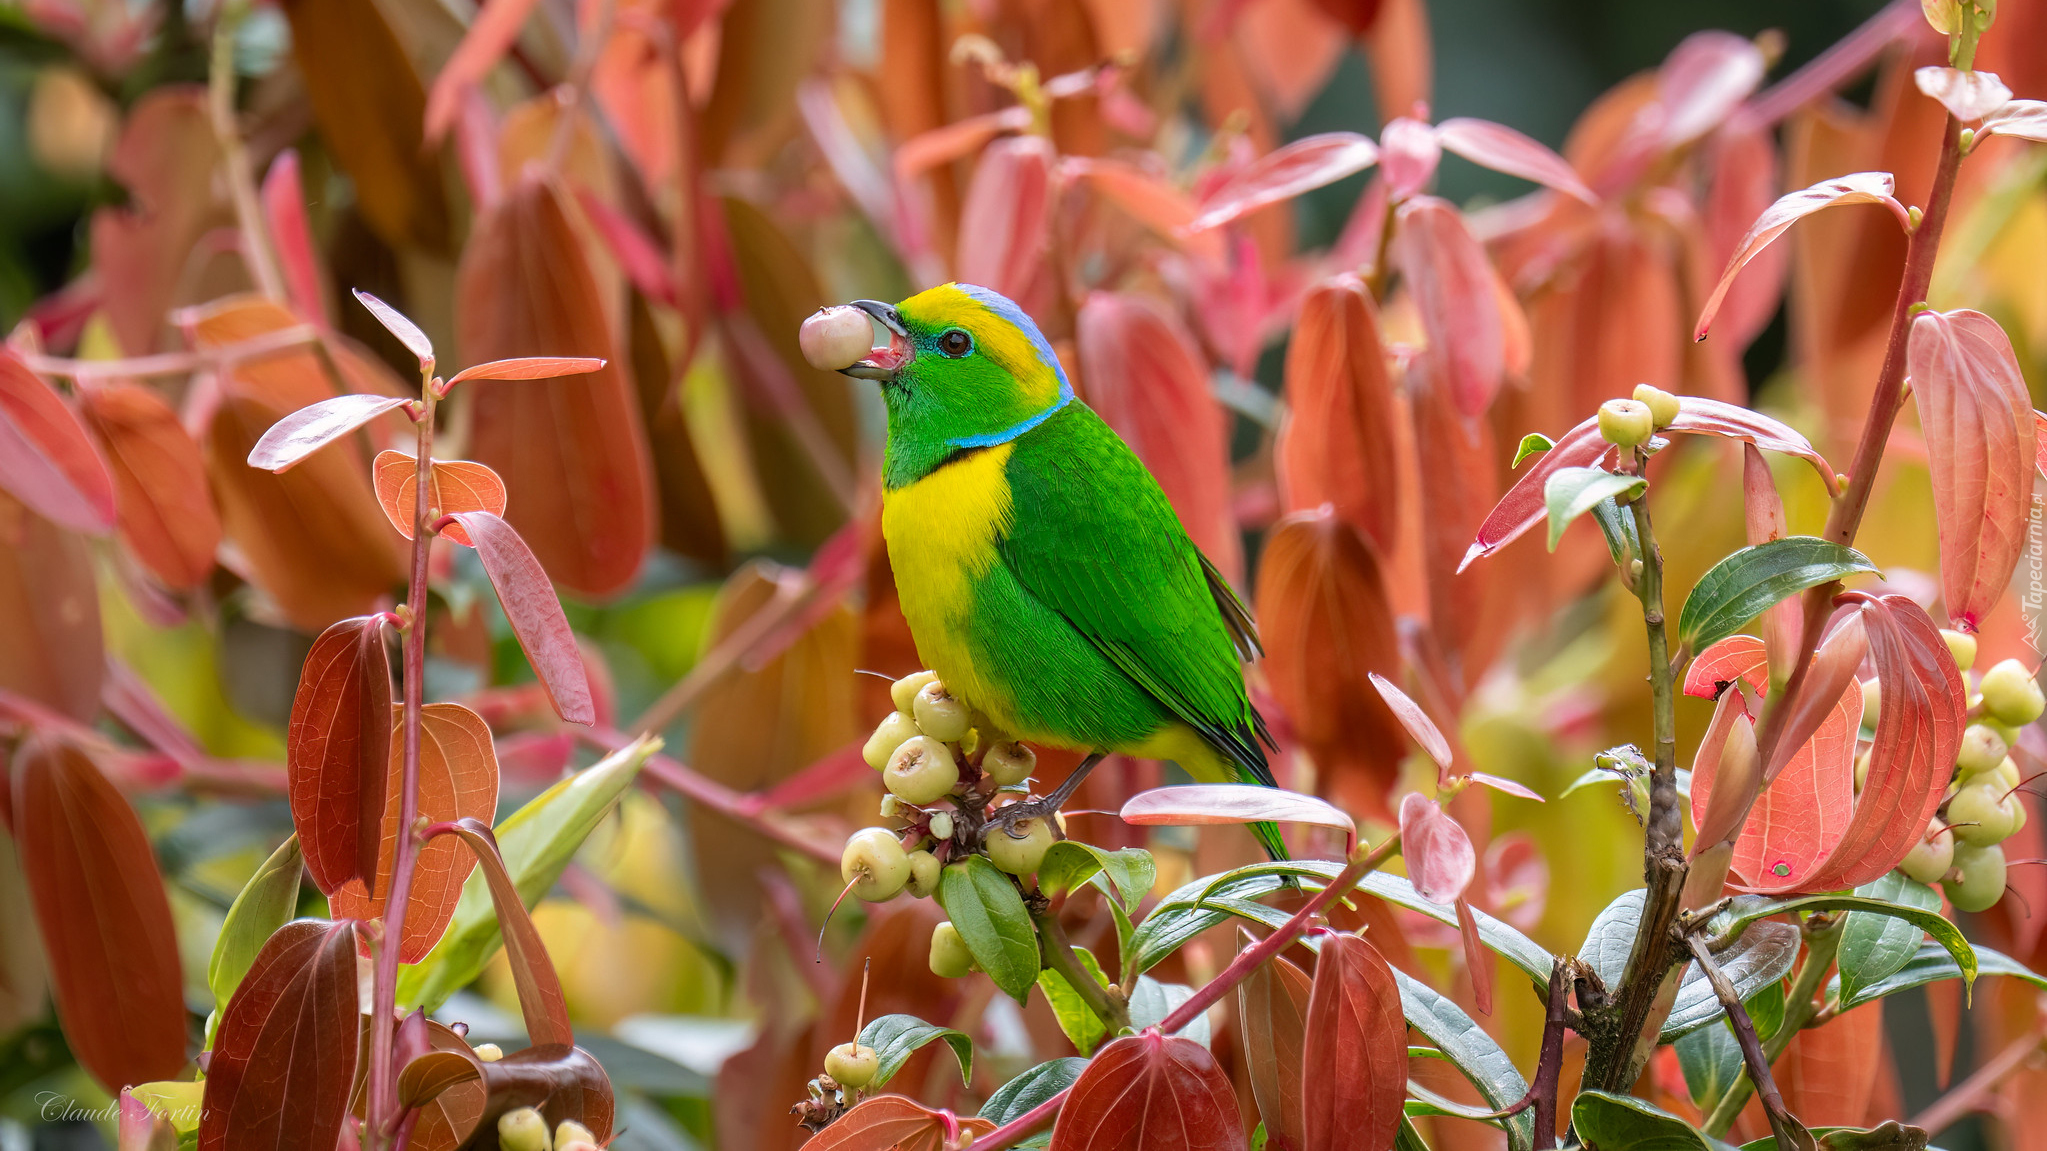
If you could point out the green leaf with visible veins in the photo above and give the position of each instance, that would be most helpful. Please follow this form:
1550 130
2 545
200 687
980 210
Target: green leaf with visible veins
990 916
1875 945
1754 579
897 1037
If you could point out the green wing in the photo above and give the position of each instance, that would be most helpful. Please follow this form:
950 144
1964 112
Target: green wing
1094 539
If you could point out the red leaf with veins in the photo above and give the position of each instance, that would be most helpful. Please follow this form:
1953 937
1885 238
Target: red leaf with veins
1455 292
1283 173
1272 1003
1523 506
1502 149
545 1008
1408 155
298 255
892 1121
534 613
1478 959
1354 1055
1147 1092
1337 444
1855 188
2040 442
1440 860
337 752
529 368
284 1059
1701 416
46 458
1978 421
1006 221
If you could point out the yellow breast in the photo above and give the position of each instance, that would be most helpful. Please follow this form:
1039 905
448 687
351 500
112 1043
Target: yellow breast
941 533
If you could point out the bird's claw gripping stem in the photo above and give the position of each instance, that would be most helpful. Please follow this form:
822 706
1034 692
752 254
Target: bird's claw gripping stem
1007 818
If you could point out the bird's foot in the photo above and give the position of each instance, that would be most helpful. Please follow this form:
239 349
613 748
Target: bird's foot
1005 819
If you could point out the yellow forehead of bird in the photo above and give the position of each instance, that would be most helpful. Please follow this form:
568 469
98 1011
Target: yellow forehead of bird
1005 343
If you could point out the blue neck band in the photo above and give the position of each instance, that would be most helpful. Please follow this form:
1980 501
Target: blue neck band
990 439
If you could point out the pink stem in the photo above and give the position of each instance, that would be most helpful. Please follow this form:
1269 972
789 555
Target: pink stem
1833 67
383 1077
1972 1093
734 805
1247 961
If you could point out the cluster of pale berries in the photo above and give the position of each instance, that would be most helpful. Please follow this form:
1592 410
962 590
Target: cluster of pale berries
1960 848
1630 423
525 1129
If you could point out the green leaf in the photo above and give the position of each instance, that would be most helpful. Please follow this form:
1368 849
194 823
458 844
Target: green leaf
1889 1135
1599 775
267 902
1761 954
1617 524
897 1037
1711 1060
1614 1122
1070 863
1747 909
1930 964
1875 945
1766 1010
1745 584
1126 938
1466 1045
1534 443
1082 1026
1571 492
1151 1001
1426 1102
537 842
1016 1097
1409 1139
989 914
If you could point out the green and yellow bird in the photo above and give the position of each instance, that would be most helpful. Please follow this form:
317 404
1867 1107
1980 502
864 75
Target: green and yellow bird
1044 575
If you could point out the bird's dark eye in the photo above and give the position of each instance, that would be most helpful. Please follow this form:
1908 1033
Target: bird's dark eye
955 343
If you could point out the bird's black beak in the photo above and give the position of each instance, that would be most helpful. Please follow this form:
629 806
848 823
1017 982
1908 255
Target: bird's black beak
883 363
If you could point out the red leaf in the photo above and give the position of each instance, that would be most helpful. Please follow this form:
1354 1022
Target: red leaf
106 926
1457 295
541 1000
337 752
1744 183
1522 507
489 37
528 368
1729 747
1147 198
1498 783
561 1082
1440 860
1272 1003
1502 149
1700 416
1337 443
1920 713
1855 188
1006 220
1478 958
284 210
284 1058
1151 1092
892 1121
1968 96
1415 720
1284 173
166 514
1146 377
399 325
313 427
459 486
1408 155
2040 442
1355 1052
956 141
1783 624
458 778
1978 420
51 648
1832 673
645 264
534 612
46 458
1201 803
1703 80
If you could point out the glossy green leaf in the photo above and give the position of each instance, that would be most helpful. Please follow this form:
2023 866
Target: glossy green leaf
1889 1135
1761 955
1466 1045
989 914
1740 587
1082 1026
1622 1121
1748 909
1030 1088
1710 1058
1070 863
897 1037
1151 1001
1534 443
1874 945
1571 492
1617 524
267 902
1930 964
537 842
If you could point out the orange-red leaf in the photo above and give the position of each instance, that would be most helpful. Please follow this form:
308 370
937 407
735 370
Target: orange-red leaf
892 1121
458 778
1272 1004
541 1000
528 368
1440 859
1199 803
298 256
1456 293
1503 149
46 458
459 486
1355 1050
338 750
1337 444
165 512
50 645
1005 223
1415 720
534 612
1855 188
1282 174
489 37
1978 420
106 926
1152 1092
284 1058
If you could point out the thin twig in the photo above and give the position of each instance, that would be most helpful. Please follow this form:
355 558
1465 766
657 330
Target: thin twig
1786 1127
1822 939
256 251
1842 62
709 793
1549 1065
